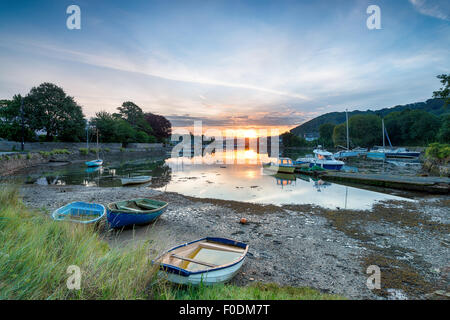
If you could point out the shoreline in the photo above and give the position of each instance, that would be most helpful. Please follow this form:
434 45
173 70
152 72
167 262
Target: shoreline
303 245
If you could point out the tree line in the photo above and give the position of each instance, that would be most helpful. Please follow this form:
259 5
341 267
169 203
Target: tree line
409 127
48 110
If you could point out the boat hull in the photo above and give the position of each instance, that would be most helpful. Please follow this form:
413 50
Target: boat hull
376 155
326 166
403 155
75 210
118 218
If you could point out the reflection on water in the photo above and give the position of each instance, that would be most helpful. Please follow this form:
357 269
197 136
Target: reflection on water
251 183
230 176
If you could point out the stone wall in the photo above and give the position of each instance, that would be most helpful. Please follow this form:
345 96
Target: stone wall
72 146
49 146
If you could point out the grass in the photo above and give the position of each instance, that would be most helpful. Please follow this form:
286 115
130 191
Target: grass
84 151
36 252
256 291
46 154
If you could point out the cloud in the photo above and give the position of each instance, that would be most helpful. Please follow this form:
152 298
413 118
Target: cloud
434 8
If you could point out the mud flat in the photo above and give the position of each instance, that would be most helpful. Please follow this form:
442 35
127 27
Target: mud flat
298 245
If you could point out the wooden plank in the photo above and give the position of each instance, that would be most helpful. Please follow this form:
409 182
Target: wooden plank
214 246
194 261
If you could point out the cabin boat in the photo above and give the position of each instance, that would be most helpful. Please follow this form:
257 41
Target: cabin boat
80 212
134 212
284 165
205 261
135 180
323 159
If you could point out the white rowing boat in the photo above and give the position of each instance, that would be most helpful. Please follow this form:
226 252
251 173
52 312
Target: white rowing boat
207 261
135 180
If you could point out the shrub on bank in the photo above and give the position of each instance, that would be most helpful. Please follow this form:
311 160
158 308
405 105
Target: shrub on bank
438 151
84 151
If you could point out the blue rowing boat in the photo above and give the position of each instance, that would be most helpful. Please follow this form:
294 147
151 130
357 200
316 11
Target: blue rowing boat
134 212
80 212
205 261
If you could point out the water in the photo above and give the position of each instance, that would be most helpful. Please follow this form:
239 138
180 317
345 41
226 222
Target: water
247 182
251 183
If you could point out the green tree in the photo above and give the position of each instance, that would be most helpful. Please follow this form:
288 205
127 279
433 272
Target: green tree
11 121
326 134
47 107
444 92
131 112
340 134
365 130
291 140
444 132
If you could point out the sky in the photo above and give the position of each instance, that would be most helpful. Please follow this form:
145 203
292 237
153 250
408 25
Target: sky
229 64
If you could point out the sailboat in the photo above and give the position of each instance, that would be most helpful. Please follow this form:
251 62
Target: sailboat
382 153
97 162
347 153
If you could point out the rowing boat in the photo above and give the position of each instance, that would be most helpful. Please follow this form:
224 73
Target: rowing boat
207 261
94 163
134 212
135 180
81 212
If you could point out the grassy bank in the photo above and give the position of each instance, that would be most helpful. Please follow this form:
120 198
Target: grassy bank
36 252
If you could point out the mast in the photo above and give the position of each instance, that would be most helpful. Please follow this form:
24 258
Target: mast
382 125
97 144
348 143
87 136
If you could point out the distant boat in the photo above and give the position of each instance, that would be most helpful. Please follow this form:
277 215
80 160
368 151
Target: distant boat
94 163
135 180
205 261
382 153
284 165
81 212
322 159
97 162
134 212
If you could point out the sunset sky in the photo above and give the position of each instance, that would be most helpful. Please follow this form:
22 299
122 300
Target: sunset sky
248 64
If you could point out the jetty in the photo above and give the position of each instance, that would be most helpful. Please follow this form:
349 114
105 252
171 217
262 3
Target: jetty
434 185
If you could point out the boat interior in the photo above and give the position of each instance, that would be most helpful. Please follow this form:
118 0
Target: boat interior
203 255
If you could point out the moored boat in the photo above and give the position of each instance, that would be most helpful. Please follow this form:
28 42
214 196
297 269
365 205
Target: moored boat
322 159
94 163
135 180
207 261
284 165
81 212
134 212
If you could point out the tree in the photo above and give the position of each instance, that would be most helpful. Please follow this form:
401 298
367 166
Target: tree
326 134
130 112
47 107
340 134
11 121
291 140
365 130
444 92
162 128
444 131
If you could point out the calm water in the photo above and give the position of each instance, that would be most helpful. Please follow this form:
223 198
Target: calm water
247 181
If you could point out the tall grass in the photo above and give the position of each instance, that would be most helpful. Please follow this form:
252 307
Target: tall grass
256 291
36 251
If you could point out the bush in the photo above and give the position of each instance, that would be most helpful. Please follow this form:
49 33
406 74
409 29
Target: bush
106 149
94 150
28 156
84 151
60 151
440 151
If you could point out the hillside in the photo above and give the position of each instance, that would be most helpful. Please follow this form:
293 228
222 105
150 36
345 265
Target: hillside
434 106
